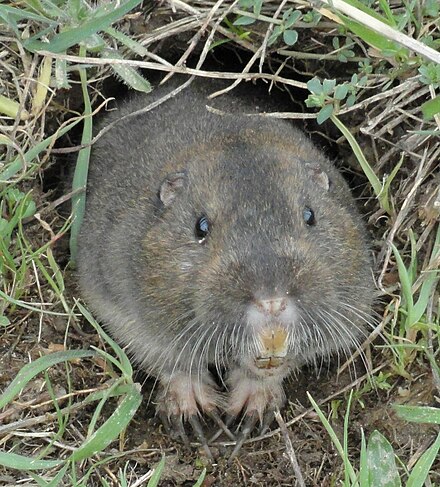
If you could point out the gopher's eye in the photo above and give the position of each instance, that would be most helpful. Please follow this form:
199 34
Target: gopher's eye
309 216
202 228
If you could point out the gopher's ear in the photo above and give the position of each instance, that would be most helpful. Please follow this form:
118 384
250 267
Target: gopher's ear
170 187
318 175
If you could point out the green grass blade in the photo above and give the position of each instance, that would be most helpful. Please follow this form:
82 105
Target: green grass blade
11 108
390 179
372 38
60 74
200 480
421 469
368 171
361 6
68 38
418 414
29 371
58 477
124 362
81 169
405 282
17 14
335 440
118 390
430 282
388 12
18 163
111 429
25 305
346 423
127 41
97 412
363 462
424 296
20 462
154 480
49 9
368 35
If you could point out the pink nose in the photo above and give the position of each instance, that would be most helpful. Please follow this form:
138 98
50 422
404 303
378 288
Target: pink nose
271 307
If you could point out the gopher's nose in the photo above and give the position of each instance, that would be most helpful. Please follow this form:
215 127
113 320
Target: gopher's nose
271 307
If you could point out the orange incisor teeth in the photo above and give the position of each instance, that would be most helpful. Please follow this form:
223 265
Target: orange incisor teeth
274 348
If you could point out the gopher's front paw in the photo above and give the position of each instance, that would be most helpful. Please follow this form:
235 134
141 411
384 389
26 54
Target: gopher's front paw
253 395
184 398
257 398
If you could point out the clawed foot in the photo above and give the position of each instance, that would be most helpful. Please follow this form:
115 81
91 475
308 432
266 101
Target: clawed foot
184 399
256 398
253 400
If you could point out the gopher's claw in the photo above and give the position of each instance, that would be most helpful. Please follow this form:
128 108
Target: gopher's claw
267 421
198 431
178 430
224 427
245 431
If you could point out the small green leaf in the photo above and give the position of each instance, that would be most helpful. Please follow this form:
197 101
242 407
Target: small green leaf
324 114
381 462
290 37
243 20
341 92
431 8
275 34
129 75
292 18
351 100
314 86
4 321
257 6
431 108
29 209
246 4
328 85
